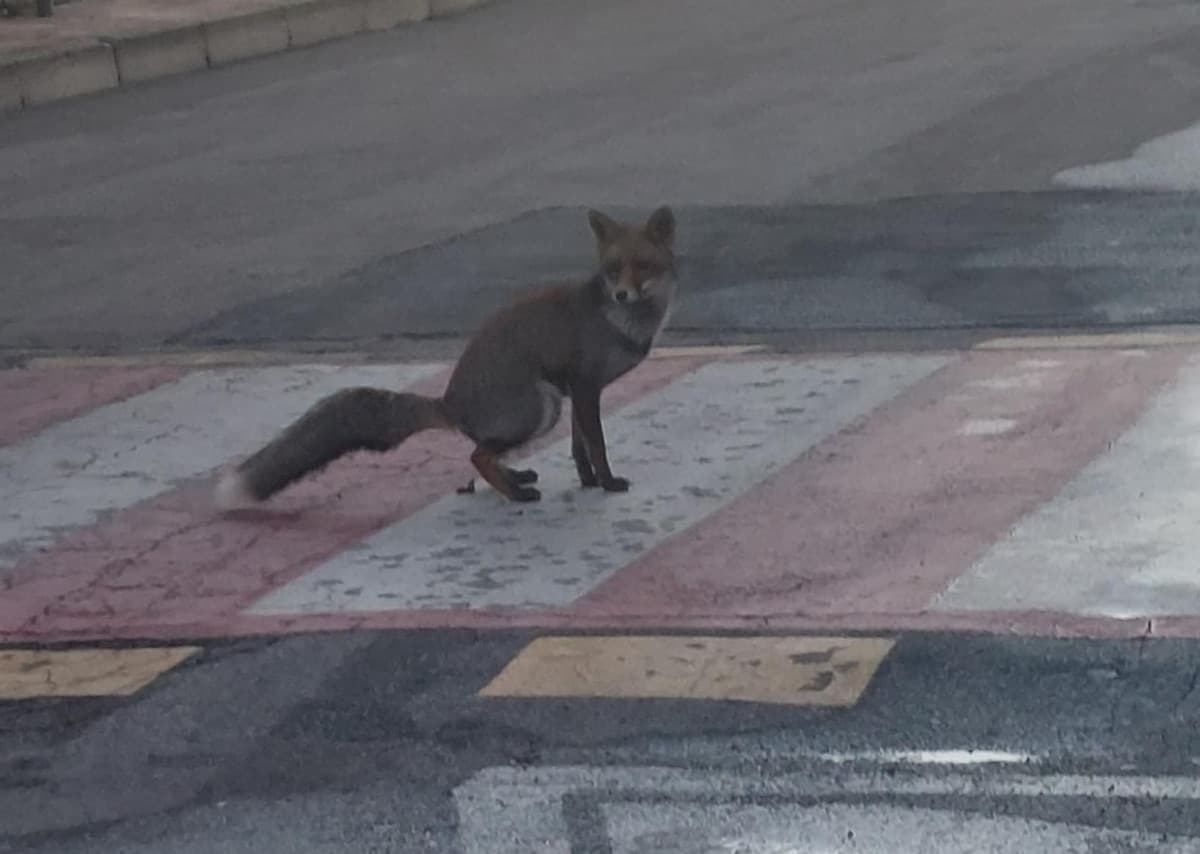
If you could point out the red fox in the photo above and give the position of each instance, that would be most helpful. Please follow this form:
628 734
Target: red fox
508 385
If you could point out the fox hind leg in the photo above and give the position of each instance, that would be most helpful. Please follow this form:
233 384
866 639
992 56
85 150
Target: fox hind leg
504 480
522 476
518 476
512 417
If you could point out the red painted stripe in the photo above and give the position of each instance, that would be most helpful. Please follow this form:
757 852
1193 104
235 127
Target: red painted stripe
1175 626
33 399
172 561
879 519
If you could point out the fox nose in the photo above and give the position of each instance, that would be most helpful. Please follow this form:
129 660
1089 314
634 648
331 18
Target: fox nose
622 296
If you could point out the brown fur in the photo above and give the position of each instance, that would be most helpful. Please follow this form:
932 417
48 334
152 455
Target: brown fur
507 388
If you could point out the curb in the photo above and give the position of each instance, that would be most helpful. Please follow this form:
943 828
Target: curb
115 62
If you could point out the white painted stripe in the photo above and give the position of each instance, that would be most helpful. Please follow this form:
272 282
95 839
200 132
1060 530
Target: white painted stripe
1169 162
553 781
928 757
987 426
120 454
506 810
1120 540
1094 340
772 827
689 449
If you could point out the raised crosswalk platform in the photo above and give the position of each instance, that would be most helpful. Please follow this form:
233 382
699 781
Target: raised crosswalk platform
1047 491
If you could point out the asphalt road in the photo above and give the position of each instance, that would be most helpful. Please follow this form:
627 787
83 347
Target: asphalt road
870 166
281 200
377 742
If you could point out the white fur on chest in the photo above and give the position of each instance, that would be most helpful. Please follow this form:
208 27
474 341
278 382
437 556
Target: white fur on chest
641 327
637 328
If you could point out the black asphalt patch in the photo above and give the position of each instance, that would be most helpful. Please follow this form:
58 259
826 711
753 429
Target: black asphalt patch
1029 260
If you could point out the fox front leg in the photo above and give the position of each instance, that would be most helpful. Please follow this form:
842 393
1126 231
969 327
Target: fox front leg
587 474
585 408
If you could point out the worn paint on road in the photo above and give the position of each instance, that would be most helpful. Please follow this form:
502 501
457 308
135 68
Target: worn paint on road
645 810
801 671
29 673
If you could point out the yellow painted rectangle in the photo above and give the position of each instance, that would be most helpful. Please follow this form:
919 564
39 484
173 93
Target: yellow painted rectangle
1106 340
28 673
193 359
255 358
700 351
805 671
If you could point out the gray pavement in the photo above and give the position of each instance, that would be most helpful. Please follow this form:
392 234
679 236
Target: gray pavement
156 213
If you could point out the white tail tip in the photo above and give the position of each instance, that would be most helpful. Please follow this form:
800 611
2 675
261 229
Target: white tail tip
231 492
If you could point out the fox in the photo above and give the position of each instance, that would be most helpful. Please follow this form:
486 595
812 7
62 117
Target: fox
507 388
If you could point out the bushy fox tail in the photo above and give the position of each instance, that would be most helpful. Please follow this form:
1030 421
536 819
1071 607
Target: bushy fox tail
349 420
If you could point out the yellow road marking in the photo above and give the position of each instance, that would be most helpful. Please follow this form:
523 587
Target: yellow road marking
27 673
707 350
253 358
196 359
1092 340
806 671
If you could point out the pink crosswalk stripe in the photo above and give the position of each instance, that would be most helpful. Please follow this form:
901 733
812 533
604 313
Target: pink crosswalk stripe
873 492
35 399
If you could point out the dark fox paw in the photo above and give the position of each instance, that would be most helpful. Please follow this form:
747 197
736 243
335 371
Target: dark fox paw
615 484
526 493
523 475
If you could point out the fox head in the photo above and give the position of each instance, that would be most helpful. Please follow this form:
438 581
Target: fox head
637 263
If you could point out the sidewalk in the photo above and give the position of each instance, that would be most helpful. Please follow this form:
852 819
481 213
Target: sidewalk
92 45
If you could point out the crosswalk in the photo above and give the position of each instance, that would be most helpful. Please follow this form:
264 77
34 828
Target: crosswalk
1033 490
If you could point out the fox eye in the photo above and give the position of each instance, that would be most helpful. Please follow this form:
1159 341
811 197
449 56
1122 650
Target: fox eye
641 265
612 269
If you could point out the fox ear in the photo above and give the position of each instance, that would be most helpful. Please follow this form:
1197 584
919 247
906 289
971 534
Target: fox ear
603 226
661 227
